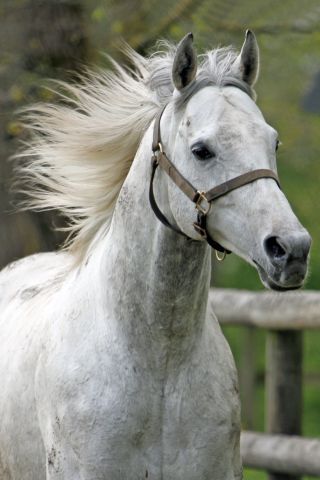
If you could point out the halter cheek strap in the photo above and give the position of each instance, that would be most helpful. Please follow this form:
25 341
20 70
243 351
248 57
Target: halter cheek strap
160 159
201 199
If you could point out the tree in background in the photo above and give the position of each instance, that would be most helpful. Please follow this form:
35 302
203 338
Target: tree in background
40 39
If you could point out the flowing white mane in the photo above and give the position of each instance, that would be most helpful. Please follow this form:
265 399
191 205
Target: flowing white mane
81 150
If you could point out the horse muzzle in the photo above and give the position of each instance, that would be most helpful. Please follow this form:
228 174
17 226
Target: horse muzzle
286 261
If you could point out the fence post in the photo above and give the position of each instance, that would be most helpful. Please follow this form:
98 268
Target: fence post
284 386
247 375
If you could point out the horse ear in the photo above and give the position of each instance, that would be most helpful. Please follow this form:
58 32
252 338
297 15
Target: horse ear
185 63
247 63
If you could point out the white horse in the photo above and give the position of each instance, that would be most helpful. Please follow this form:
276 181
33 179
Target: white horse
112 368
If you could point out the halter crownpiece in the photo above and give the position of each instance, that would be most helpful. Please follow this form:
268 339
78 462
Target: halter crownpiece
201 199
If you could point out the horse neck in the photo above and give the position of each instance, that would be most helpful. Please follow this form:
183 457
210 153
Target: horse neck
158 280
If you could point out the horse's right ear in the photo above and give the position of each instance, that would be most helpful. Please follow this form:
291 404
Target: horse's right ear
185 63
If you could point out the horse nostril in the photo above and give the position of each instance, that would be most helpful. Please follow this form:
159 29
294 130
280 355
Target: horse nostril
275 250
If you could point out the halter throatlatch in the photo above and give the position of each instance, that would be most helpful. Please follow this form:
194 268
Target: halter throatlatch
201 199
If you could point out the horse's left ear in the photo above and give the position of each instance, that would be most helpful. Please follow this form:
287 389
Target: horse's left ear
246 65
185 63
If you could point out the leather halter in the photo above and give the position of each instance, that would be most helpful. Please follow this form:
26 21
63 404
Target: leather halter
201 199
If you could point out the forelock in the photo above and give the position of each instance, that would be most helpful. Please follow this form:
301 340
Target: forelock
215 69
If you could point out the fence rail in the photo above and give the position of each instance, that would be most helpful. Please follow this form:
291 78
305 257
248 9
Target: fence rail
269 310
281 451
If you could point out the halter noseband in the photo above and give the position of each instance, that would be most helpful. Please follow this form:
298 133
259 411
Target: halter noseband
201 199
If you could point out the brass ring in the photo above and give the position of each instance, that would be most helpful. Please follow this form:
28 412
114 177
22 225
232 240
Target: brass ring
223 256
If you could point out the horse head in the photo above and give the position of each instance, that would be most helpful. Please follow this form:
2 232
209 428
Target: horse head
213 132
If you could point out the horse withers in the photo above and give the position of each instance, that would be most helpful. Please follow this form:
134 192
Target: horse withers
112 366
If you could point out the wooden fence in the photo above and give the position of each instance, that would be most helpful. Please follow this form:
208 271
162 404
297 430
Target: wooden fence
281 451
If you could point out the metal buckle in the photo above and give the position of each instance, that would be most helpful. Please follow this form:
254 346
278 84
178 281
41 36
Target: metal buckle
157 153
159 148
200 230
202 197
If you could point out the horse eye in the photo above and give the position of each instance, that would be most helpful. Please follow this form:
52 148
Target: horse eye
278 143
201 152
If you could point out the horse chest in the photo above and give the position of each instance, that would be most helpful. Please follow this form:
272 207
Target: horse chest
138 423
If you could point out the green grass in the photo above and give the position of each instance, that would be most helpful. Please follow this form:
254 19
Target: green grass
249 474
254 475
